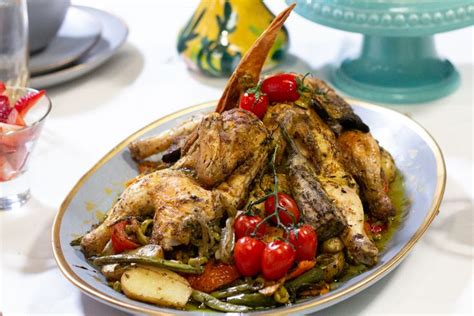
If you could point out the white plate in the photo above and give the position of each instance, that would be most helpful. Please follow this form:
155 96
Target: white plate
78 33
114 34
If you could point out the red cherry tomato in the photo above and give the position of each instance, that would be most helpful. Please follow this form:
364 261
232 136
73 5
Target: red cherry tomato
244 225
248 253
256 106
377 228
287 202
277 259
305 241
281 87
120 239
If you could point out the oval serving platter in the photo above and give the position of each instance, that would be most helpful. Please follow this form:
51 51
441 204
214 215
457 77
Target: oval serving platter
416 154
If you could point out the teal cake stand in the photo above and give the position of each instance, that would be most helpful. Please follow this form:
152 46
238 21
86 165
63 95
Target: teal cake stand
398 62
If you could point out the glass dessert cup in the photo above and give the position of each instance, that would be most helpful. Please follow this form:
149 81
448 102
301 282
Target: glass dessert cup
16 146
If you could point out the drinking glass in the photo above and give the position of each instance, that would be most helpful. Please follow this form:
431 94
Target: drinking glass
16 146
14 43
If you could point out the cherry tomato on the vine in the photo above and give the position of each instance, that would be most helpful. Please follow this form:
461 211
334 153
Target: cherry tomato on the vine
245 225
285 201
248 253
277 259
255 103
281 87
305 240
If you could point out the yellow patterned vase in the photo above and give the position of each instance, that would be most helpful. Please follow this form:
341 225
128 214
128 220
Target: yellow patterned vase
221 31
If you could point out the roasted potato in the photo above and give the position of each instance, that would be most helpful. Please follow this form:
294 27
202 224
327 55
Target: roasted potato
156 285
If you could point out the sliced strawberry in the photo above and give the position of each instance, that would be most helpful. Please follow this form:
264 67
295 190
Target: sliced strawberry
15 118
2 87
28 101
5 109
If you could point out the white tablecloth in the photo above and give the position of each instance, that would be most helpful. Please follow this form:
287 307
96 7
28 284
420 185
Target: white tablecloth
147 80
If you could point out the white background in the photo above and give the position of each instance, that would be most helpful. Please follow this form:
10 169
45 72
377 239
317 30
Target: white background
147 80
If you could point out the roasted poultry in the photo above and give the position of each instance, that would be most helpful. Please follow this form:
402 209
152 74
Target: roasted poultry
196 189
328 196
362 157
361 154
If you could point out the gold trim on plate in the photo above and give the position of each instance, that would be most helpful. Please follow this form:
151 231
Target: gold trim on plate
297 308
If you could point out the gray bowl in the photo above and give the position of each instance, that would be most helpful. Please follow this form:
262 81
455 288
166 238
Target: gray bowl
44 20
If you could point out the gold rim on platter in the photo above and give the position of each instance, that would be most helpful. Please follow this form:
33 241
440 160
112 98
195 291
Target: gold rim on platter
299 308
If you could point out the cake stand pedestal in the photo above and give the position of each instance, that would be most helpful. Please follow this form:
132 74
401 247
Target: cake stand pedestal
398 62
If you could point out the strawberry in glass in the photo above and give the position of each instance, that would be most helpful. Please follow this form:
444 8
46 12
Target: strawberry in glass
21 120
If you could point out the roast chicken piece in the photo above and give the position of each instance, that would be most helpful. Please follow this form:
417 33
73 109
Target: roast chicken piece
185 197
361 154
220 144
144 148
313 202
333 109
317 143
172 197
362 158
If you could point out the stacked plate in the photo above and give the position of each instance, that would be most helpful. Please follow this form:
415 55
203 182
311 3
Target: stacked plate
87 38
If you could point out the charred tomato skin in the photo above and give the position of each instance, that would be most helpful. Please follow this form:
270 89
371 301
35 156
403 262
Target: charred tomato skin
248 253
277 259
287 202
281 87
245 225
305 241
255 103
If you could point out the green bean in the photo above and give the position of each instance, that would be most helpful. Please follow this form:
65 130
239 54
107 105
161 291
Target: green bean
252 300
198 261
161 263
144 225
312 276
141 232
281 295
238 289
214 303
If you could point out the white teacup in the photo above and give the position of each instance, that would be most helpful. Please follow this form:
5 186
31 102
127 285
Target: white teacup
44 20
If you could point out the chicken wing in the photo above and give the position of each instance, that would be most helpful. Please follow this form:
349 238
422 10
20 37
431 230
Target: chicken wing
144 148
